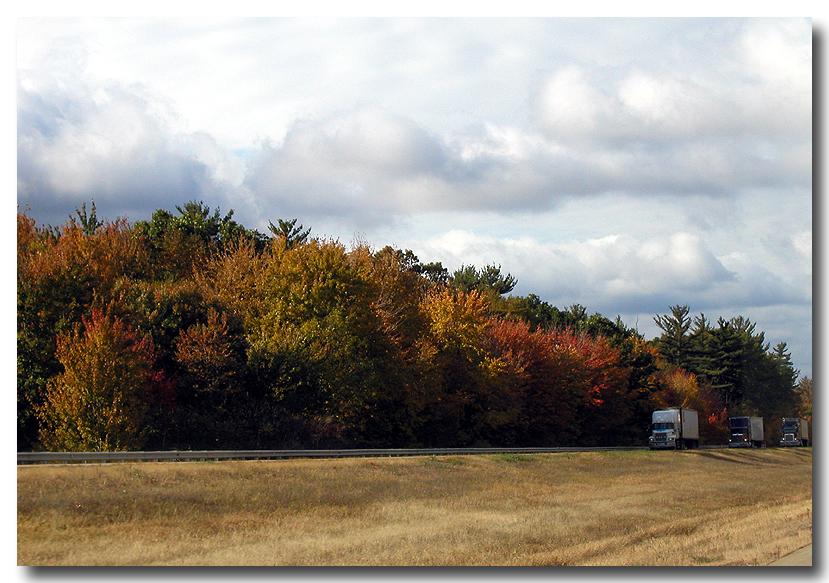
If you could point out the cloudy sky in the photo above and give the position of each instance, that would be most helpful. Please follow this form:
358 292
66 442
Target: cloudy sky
627 165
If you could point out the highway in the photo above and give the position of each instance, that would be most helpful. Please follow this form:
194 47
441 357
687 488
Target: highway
799 558
181 456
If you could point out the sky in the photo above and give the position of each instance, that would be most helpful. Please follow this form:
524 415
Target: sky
624 164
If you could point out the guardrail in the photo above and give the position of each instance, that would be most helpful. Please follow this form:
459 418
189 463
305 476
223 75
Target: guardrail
183 456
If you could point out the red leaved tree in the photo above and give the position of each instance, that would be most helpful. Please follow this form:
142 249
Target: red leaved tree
100 400
550 376
608 406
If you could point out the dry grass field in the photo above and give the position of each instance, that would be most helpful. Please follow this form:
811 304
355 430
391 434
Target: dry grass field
701 507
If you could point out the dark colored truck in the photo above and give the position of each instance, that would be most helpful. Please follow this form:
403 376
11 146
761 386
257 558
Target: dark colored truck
795 432
746 432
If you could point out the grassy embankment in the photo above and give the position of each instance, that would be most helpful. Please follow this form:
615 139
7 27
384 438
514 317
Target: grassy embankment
715 507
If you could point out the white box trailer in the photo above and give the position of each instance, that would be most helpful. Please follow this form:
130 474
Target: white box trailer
795 432
674 428
746 432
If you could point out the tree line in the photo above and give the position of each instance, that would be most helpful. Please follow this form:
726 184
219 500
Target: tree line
190 331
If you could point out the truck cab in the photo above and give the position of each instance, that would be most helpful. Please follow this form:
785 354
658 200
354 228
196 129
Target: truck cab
663 435
795 432
745 432
674 428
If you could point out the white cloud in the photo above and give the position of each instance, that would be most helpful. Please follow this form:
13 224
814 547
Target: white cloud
615 270
779 53
123 146
652 125
802 243
367 139
668 99
362 162
571 108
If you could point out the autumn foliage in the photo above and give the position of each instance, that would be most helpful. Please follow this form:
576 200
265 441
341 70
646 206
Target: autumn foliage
192 332
109 383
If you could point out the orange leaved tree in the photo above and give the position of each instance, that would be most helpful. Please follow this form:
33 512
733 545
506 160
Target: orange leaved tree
100 400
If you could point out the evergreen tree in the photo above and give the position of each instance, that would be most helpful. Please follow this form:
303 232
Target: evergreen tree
673 343
288 233
488 280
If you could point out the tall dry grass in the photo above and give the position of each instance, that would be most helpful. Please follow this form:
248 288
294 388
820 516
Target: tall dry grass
718 507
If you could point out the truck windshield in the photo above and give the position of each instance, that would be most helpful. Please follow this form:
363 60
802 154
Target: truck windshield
663 425
739 423
789 422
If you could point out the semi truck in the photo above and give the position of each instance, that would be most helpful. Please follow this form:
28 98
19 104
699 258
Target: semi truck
795 432
674 428
746 432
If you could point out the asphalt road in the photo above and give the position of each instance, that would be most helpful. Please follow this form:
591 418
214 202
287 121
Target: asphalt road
799 558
